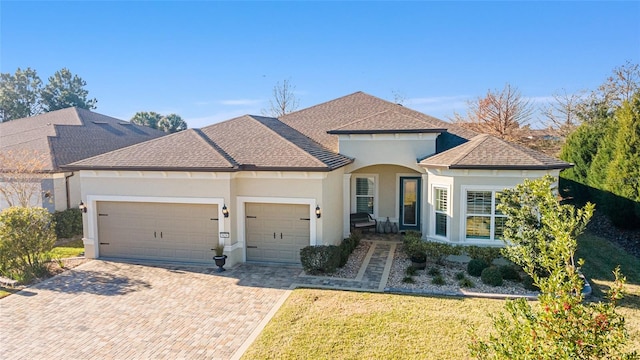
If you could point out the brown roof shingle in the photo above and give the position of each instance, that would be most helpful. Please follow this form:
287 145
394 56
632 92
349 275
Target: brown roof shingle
71 134
316 121
488 152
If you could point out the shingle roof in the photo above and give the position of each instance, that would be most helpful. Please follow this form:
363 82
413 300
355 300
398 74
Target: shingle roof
246 142
366 112
388 121
187 150
71 134
488 152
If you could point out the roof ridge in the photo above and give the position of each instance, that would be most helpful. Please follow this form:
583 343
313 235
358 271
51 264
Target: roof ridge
323 103
481 138
216 147
254 117
363 119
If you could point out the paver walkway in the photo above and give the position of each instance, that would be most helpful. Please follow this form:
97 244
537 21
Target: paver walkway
114 310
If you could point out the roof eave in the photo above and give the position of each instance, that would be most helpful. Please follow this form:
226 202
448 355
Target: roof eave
380 131
149 168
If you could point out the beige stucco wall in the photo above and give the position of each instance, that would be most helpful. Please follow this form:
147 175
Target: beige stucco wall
331 221
388 188
234 189
399 149
458 180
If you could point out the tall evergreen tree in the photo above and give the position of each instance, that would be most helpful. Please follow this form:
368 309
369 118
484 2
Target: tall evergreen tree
66 90
19 94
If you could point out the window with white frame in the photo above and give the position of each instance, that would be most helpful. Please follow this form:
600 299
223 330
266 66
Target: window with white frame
440 206
365 192
483 220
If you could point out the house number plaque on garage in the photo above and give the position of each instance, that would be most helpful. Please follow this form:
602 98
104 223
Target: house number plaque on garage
224 235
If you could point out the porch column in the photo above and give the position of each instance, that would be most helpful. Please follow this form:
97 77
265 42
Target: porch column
346 205
424 205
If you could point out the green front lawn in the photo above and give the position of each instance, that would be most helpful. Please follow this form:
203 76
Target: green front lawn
322 324
70 249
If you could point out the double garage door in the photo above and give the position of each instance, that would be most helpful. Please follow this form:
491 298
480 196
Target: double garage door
276 232
188 232
157 231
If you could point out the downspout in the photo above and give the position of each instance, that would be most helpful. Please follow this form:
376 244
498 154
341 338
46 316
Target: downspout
66 185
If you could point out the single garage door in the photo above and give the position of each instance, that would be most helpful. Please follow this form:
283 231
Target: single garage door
276 232
157 231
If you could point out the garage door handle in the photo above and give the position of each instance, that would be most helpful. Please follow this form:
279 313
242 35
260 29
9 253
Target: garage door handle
160 234
274 235
251 247
104 243
251 217
280 235
154 234
305 219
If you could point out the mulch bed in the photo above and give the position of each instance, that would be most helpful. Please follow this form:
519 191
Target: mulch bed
629 240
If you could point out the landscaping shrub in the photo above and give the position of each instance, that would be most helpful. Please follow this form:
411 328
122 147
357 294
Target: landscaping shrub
465 282
491 276
347 246
320 259
26 237
475 267
460 275
488 254
434 271
528 284
438 280
68 223
408 280
411 270
414 247
439 251
509 272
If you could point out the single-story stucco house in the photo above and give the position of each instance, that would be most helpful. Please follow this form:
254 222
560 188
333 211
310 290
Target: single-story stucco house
266 187
51 140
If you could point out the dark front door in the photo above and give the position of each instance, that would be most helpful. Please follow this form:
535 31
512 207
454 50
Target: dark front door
410 203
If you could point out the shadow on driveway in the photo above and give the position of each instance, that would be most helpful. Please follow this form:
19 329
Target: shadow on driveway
92 282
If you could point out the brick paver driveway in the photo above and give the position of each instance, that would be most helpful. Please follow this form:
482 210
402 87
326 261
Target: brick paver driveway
112 310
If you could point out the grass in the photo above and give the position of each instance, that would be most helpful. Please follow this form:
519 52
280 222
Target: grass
71 249
327 324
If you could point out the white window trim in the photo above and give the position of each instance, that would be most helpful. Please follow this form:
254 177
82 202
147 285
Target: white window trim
463 214
376 186
432 213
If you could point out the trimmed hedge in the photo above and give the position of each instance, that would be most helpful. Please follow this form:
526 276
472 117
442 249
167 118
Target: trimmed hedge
325 259
491 276
488 254
68 223
509 272
475 267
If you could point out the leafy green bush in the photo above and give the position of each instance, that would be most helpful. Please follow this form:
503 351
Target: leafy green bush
528 283
434 271
475 267
438 280
347 246
411 270
68 223
509 272
491 276
460 275
408 280
439 251
26 237
413 247
465 282
320 259
488 254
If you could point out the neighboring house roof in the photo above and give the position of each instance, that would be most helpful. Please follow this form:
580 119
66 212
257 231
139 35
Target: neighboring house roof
360 111
244 143
71 134
488 152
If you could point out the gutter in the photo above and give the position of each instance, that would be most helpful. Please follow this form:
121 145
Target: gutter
66 185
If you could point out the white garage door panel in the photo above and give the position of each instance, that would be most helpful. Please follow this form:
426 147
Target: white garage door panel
158 231
276 232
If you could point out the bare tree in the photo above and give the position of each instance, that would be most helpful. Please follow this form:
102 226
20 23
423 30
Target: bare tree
398 97
284 100
621 85
21 177
502 113
563 113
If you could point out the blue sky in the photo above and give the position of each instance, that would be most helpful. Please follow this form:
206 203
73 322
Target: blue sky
210 61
